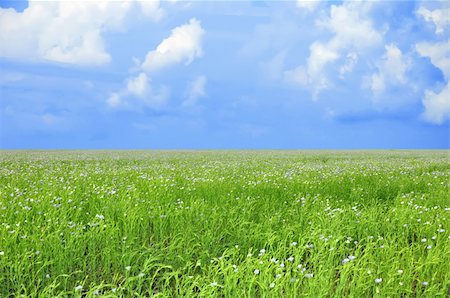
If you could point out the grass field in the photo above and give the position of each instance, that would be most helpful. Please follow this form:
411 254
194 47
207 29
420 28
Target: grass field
224 224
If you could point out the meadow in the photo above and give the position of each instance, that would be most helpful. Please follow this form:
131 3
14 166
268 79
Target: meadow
224 224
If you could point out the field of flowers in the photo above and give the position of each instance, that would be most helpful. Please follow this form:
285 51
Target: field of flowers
224 224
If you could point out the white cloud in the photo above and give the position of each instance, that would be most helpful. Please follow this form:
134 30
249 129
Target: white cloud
353 34
439 54
320 55
439 17
139 86
437 105
309 5
351 60
313 75
64 31
377 83
183 45
152 9
352 26
196 90
391 70
137 94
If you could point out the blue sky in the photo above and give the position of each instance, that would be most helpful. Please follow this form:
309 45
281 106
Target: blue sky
221 75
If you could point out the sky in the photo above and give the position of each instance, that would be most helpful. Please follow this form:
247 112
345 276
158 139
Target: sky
224 75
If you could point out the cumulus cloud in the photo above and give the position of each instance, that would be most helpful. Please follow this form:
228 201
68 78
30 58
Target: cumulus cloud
439 54
437 104
391 70
196 90
138 93
439 17
64 31
351 60
152 9
320 55
309 5
182 46
352 26
139 86
353 33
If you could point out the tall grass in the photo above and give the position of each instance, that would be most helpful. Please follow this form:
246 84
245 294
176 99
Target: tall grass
233 224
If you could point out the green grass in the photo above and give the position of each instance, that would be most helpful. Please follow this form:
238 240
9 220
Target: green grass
224 224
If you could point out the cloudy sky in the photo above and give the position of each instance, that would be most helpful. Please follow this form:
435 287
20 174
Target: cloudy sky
237 74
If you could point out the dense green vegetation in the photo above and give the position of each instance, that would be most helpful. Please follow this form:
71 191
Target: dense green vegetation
233 224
